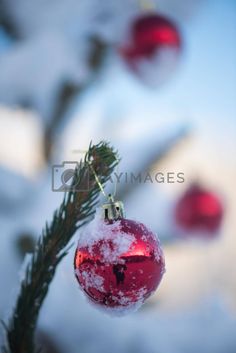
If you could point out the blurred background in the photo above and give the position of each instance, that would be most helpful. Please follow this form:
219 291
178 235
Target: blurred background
158 80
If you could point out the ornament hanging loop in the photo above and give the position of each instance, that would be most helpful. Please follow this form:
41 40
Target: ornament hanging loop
109 197
97 180
113 210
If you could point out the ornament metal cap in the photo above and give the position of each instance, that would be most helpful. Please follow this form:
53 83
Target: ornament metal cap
113 210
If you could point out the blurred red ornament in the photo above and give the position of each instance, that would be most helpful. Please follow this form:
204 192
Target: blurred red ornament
153 49
119 265
199 211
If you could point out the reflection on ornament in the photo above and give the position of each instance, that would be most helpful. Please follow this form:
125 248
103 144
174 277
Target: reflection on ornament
118 263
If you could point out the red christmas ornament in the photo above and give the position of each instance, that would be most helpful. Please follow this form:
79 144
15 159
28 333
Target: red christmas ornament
199 211
153 49
118 262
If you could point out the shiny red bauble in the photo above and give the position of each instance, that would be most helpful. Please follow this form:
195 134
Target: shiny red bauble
118 264
199 211
154 47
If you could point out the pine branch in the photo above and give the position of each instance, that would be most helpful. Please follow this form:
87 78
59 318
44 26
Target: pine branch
52 246
68 92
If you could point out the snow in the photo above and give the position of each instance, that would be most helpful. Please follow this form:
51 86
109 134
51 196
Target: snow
127 307
205 326
91 279
53 50
38 80
113 242
98 230
21 139
54 45
165 62
146 231
14 190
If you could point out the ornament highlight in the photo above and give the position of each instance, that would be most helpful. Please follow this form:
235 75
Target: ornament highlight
199 212
153 49
118 262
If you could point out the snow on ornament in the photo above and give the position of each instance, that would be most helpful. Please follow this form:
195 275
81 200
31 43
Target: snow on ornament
153 48
118 262
199 212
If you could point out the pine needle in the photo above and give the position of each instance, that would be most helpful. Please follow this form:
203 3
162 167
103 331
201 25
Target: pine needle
75 210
